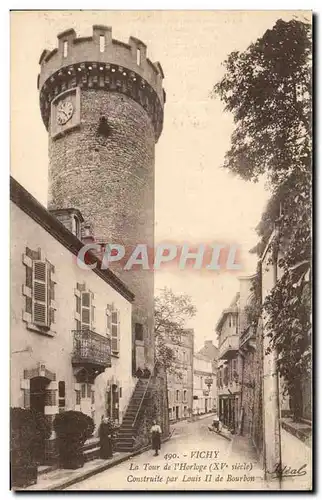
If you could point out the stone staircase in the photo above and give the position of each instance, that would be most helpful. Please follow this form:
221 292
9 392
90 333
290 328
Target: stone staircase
125 440
91 449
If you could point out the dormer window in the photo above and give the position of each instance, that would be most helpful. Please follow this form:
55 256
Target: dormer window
71 218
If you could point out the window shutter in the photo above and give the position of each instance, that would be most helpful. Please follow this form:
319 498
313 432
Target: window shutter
40 293
115 340
109 319
86 311
78 305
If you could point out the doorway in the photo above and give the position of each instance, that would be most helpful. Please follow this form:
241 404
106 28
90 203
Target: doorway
177 412
112 403
38 387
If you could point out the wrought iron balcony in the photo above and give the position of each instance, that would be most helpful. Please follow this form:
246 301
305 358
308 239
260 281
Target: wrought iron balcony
91 350
229 347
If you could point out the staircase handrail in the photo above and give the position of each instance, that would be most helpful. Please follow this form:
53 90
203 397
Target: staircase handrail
143 397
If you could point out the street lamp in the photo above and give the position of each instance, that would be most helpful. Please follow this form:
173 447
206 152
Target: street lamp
208 382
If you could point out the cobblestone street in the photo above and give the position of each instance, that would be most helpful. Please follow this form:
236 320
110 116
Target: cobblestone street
194 458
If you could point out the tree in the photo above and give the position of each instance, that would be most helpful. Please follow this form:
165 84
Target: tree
268 88
171 312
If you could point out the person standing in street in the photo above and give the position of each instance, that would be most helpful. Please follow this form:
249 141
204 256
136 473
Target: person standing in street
106 435
216 422
156 437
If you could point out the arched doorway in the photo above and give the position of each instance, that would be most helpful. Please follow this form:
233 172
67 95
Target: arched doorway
38 386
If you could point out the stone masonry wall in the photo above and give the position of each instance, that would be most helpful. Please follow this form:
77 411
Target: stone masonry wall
111 181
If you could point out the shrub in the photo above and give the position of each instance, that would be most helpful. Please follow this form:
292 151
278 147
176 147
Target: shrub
72 429
43 431
22 440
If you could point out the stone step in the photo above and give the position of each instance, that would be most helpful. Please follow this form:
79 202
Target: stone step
124 447
44 469
124 442
91 443
124 438
92 453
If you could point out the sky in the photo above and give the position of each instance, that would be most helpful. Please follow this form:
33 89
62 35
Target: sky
195 199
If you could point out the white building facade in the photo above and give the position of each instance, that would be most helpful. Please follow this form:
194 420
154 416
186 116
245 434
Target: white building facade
204 385
71 343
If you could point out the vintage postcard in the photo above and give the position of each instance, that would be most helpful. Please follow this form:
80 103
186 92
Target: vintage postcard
160 203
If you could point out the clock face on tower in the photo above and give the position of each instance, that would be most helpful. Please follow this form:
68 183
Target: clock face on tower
65 111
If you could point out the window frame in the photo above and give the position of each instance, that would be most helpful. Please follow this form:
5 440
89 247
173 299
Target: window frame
89 308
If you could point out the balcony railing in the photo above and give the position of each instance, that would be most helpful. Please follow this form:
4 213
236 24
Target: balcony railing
230 388
229 347
248 335
90 348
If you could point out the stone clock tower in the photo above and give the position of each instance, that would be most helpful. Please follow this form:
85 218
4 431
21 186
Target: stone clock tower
102 102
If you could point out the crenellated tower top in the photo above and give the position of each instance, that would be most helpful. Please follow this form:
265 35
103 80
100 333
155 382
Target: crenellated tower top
100 62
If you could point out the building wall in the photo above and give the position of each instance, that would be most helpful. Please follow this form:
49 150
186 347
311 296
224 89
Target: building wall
229 389
209 350
229 327
204 399
54 350
228 371
180 388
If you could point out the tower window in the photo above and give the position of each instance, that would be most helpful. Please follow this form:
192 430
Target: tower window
102 43
103 128
138 57
138 331
65 48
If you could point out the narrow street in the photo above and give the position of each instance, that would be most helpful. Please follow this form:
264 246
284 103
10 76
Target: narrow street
194 458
